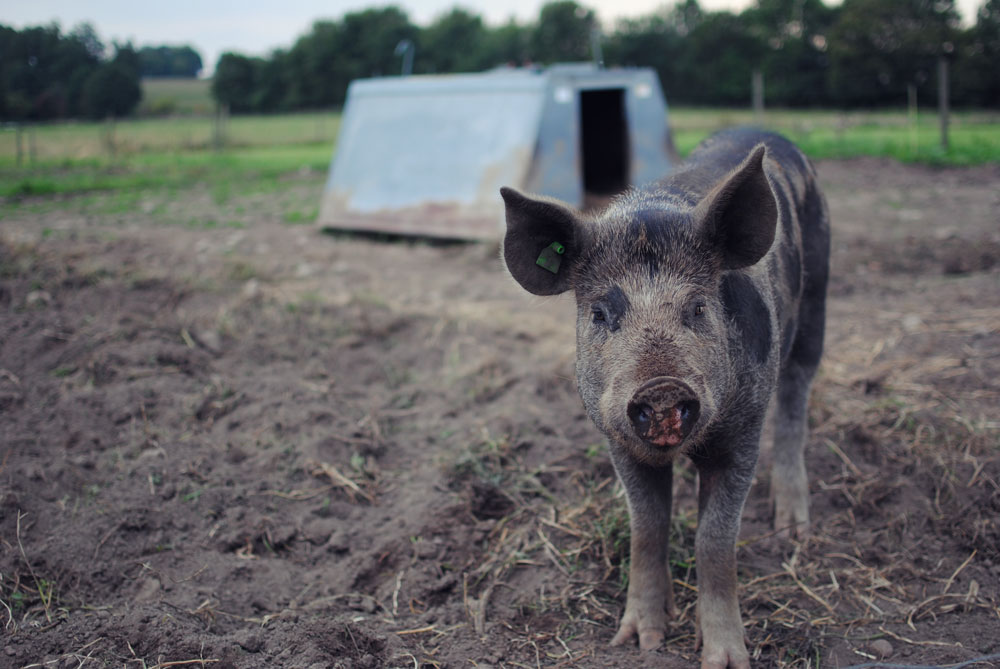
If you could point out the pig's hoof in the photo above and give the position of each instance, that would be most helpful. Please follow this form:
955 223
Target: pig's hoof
791 520
650 633
722 657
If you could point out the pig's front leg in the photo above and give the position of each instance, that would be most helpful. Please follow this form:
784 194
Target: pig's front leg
721 494
650 588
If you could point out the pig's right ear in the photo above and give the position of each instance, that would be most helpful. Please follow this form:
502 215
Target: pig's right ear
544 239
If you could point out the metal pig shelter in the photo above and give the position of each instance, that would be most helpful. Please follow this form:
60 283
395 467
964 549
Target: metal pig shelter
427 155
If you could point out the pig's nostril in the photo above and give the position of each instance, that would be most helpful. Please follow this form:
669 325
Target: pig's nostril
641 415
689 411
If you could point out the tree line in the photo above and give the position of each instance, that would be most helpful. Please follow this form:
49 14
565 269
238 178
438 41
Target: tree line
48 74
862 53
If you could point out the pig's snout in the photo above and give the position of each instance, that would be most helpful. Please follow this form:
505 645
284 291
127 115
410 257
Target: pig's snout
663 411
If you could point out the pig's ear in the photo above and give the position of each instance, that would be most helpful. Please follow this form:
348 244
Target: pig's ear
544 239
739 216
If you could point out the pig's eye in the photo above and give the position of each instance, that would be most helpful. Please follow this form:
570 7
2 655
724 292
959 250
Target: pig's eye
694 314
605 315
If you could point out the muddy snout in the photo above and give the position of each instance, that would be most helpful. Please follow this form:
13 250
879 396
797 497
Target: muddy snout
663 411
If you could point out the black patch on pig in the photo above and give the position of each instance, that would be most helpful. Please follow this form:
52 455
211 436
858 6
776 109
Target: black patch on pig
787 339
788 252
654 233
745 309
653 224
616 304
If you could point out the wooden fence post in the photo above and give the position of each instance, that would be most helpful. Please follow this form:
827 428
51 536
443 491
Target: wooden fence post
757 90
943 103
19 142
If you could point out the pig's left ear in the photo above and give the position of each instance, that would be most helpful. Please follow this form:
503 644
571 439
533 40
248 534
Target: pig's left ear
739 216
544 239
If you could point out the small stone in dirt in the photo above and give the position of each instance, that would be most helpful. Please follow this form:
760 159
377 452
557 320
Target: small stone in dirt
149 590
425 550
339 542
880 648
251 289
209 339
249 641
319 530
38 298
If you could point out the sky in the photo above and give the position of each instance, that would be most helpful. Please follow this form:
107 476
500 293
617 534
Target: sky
256 27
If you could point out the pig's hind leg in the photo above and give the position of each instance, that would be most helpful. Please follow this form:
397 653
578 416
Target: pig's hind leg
789 481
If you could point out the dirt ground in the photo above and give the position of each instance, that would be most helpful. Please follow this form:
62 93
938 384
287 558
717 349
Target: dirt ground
227 441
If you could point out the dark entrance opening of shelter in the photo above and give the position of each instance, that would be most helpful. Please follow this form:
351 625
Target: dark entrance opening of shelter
604 146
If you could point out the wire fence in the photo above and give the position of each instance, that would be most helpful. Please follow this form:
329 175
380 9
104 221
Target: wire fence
31 144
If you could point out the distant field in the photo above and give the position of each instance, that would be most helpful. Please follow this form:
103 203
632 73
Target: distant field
71 157
186 97
84 141
974 137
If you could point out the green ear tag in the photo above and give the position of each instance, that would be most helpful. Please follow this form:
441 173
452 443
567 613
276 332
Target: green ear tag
550 258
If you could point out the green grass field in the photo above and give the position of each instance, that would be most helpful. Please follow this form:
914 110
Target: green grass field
140 153
974 137
176 96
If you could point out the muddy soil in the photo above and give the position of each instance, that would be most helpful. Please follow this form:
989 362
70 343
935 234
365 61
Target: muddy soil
226 441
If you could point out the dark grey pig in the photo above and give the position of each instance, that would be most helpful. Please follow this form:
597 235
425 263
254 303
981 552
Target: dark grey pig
698 298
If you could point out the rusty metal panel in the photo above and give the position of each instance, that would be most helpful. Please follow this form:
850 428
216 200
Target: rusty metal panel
428 155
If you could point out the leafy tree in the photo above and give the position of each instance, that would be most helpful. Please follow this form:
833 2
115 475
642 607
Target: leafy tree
455 42
651 41
563 33
323 63
507 45
271 83
977 56
169 61
113 88
720 55
795 61
42 71
235 83
878 47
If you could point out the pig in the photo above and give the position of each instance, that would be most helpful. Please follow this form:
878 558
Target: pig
699 297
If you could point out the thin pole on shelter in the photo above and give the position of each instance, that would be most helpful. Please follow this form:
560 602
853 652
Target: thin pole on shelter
406 49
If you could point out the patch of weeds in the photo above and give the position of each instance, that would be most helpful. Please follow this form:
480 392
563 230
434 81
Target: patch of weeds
488 460
240 270
297 217
121 202
200 223
682 533
308 302
221 192
396 376
192 495
612 531
368 299
63 372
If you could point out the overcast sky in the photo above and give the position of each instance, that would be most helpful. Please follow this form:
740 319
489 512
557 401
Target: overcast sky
255 27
